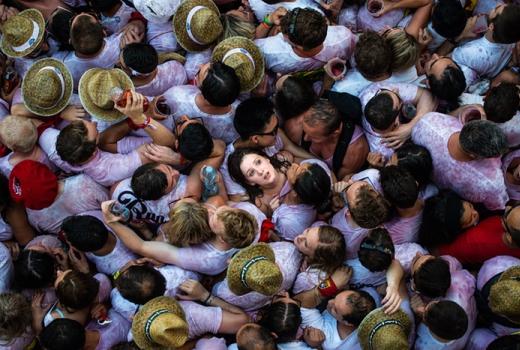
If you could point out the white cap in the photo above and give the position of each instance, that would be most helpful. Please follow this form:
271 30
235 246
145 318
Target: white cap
157 11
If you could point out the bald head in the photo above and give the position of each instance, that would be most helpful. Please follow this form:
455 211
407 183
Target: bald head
252 336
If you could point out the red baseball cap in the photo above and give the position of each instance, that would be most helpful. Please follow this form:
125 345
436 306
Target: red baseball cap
33 184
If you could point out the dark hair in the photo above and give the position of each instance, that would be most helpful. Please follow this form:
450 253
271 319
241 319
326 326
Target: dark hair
85 232
373 55
370 209
73 145
441 219
59 28
103 5
234 161
294 98
505 342
86 35
257 338
140 57
507 25
34 269
195 142
399 186
148 182
283 319
331 251
77 290
325 113
417 160
377 250
305 27
140 283
63 334
380 112
449 18
252 116
483 139
433 278
313 187
5 196
450 86
221 86
501 102
362 304
446 319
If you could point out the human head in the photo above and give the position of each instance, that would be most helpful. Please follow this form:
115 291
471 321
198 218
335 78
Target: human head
351 306
255 121
63 334
446 319
373 55
218 84
304 27
235 25
18 134
449 18
15 316
59 27
321 121
483 139
504 295
76 290
252 336
382 111
188 224
194 140
294 97
416 160
505 23
103 5
152 181
86 34
85 232
238 226
511 225
282 318
324 246
399 186
405 48
380 330
377 250
445 78
505 342
431 276
312 184
502 102
139 59
140 284
367 207
76 143
34 269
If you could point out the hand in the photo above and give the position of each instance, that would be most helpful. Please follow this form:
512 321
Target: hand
342 276
468 33
277 15
99 312
73 112
133 108
336 61
130 37
7 96
376 160
398 137
7 12
314 337
61 258
78 260
137 27
192 290
37 307
274 203
417 305
151 261
424 38
333 6
340 186
392 299
162 154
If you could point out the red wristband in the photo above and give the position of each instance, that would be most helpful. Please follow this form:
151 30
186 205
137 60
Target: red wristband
328 288
131 124
135 126
267 225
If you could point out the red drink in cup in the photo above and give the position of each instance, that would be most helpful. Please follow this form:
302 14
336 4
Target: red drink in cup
374 6
338 69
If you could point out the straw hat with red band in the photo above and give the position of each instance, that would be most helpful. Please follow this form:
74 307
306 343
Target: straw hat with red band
33 184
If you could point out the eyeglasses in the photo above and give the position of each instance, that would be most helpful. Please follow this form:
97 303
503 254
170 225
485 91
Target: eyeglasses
344 192
273 132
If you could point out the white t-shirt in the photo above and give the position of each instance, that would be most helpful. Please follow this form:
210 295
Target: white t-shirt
161 36
116 22
261 8
6 269
170 73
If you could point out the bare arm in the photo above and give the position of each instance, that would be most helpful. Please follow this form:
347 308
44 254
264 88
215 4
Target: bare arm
354 158
17 218
108 138
291 147
419 19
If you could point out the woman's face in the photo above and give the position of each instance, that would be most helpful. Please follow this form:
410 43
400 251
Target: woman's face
172 176
243 13
308 241
258 170
469 216
60 275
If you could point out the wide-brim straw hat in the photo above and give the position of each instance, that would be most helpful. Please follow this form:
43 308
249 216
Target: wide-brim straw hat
23 33
157 11
197 24
504 295
95 87
244 57
47 87
254 269
160 324
379 331
171 56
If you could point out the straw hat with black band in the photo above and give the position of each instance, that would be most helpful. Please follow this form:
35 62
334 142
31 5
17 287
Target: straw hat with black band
504 295
197 24
23 33
160 324
47 87
95 92
254 269
244 57
381 331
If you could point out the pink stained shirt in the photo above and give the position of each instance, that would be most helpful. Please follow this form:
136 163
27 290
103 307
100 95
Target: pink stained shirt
169 74
513 190
112 333
365 21
512 130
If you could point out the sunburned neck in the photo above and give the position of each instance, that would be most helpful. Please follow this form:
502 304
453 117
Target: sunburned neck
454 149
208 108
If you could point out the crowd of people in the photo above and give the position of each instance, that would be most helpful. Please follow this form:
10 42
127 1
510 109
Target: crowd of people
260 174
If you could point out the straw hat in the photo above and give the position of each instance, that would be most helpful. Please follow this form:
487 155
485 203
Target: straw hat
157 11
379 331
160 323
23 33
254 269
504 295
171 56
244 57
197 24
47 87
95 88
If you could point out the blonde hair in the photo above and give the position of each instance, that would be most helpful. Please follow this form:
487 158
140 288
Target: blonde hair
239 227
234 26
18 133
15 315
405 49
188 224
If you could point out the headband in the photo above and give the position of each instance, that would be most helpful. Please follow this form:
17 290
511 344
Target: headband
239 50
31 40
292 25
371 246
381 325
188 23
150 320
246 267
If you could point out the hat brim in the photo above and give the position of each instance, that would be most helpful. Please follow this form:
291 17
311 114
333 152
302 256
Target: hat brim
36 16
171 56
510 273
179 23
64 101
95 111
376 316
244 43
240 259
142 316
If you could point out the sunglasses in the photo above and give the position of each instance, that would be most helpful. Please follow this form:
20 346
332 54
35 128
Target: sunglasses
344 192
273 132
